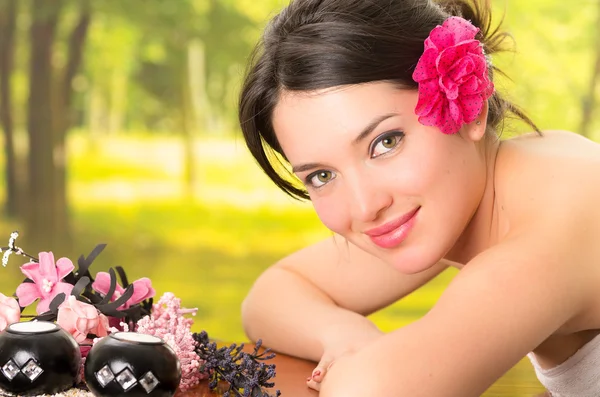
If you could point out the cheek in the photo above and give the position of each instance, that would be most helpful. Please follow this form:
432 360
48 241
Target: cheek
459 186
332 214
408 177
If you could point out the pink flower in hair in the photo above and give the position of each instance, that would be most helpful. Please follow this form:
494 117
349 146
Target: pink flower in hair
453 77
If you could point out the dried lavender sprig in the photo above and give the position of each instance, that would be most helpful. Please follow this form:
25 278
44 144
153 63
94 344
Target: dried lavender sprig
13 249
245 373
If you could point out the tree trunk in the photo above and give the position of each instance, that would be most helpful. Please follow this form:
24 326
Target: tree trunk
63 115
8 18
186 112
118 100
96 113
41 216
589 101
199 95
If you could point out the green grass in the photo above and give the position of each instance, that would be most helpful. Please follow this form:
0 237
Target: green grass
208 249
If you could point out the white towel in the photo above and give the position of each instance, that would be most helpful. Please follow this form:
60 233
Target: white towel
578 376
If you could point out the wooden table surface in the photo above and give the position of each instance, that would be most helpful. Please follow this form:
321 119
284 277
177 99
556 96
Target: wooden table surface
292 373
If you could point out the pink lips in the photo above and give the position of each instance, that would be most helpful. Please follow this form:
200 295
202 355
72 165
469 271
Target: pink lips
391 234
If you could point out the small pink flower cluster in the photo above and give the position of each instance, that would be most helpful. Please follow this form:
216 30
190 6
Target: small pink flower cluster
168 322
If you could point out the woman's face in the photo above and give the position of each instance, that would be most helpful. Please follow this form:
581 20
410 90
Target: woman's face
399 190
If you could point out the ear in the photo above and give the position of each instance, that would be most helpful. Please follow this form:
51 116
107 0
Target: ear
476 129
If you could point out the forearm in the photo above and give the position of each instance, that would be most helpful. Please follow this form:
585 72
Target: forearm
294 317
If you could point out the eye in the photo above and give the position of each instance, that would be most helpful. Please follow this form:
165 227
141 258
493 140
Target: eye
386 142
319 178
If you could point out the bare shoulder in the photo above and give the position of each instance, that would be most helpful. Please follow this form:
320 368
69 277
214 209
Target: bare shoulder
571 150
552 151
551 175
548 193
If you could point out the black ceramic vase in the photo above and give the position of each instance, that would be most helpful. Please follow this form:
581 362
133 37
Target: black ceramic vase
37 357
129 364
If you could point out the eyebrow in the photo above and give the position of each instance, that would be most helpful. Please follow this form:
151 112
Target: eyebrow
360 137
371 126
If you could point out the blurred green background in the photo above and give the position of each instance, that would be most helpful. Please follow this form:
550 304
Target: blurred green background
119 127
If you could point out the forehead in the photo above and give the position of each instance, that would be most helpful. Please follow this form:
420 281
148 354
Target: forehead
334 114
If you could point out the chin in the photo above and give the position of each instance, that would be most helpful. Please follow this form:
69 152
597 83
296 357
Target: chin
412 260
411 268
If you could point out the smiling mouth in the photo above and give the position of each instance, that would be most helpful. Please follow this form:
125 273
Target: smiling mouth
391 234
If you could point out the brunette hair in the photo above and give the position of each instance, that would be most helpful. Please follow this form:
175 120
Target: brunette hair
318 44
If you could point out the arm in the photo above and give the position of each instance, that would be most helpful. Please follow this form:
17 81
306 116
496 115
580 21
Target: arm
322 293
501 306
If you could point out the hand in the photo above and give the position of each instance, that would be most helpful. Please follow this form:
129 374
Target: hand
318 374
334 353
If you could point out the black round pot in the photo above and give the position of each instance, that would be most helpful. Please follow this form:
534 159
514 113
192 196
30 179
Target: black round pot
130 364
37 358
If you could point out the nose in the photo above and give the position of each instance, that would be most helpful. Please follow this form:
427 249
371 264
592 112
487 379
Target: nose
367 200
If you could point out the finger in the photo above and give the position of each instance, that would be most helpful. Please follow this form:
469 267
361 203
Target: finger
313 384
321 370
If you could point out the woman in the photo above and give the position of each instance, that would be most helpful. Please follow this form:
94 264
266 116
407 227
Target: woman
387 115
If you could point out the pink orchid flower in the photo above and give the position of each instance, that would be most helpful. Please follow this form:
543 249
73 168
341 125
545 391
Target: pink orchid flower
142 289
46 277
10 312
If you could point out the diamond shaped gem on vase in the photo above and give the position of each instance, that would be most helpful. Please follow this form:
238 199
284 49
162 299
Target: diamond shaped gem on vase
32 370
104 376
126 379
149 382
10 370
